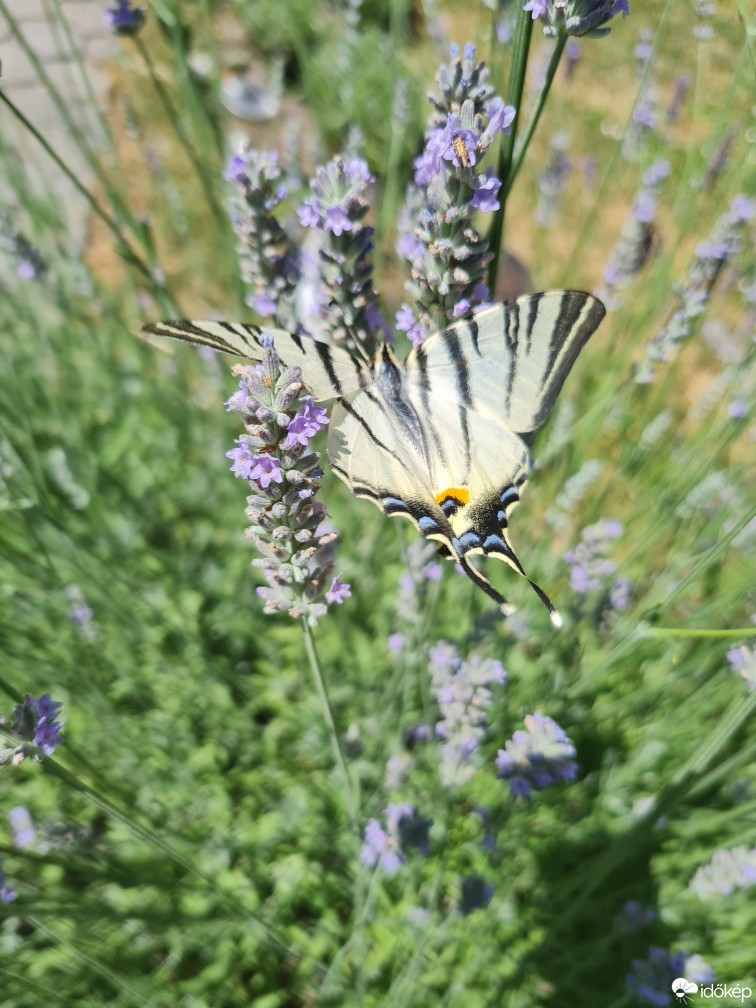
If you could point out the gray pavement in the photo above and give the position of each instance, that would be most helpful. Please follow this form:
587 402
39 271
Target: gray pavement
20 81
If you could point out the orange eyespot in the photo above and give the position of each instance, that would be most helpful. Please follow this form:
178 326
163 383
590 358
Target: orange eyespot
460 494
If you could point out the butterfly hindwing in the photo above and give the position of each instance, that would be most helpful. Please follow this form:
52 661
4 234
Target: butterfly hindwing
509 361
327 371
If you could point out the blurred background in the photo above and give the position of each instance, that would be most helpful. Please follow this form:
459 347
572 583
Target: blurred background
192 842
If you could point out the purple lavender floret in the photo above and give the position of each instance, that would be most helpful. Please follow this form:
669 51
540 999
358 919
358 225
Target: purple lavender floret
7 895
274 455
405 829
34 724
576 17
742 660
29 262
125 18
24 833
650 979
537 757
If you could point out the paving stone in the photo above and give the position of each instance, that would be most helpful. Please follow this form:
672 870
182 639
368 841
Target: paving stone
85 19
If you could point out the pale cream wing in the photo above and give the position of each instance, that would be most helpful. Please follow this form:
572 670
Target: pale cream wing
327 371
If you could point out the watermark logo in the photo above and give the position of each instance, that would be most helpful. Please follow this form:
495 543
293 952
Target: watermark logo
682 987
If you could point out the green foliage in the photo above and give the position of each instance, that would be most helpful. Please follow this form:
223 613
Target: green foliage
194 841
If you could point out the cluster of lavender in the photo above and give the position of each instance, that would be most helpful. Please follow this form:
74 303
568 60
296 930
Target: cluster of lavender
634 916
447 256
32 731
288 524
705 9
125 18
405 829
590 567
80 614
650 980
576 17
637 239
7 895
475 894
337 207
694 292
727 871
269 262
463 693
552 180
743 660
537 757
48 836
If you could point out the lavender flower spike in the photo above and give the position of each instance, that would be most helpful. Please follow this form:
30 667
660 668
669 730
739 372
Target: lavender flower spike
7 895
576 17
694 292
33 730
463 692
447 256
337 207
288 523
269 263
537 757
125 18
405 828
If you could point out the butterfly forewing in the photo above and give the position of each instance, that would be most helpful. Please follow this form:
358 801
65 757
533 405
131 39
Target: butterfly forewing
327 371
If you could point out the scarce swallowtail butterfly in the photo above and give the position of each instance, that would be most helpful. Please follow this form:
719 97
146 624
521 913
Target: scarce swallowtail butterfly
440 437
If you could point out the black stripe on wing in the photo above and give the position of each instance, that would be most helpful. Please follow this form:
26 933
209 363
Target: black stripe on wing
239 340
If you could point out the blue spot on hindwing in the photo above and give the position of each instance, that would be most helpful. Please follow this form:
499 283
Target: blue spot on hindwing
427 524
393 504
494 540
469 540
509 496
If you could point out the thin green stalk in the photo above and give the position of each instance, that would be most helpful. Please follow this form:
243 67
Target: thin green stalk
175 117
520 49
129 254
338 753
698 632
54 769
122 986
535 115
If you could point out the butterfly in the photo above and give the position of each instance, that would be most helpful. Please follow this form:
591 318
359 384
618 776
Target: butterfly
442 437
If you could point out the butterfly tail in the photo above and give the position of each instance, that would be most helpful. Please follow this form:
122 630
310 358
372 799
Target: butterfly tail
485 585
514 561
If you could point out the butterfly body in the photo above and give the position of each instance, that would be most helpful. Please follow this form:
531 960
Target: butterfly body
438 438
